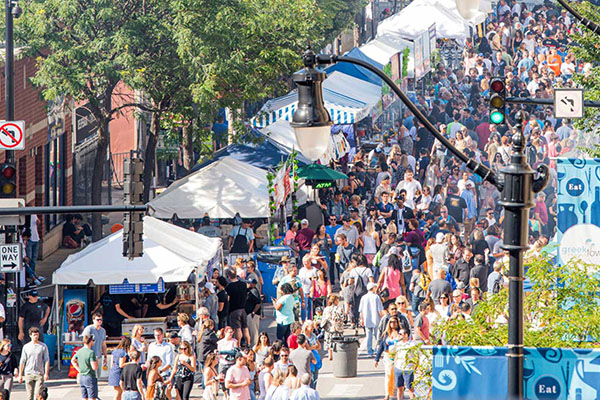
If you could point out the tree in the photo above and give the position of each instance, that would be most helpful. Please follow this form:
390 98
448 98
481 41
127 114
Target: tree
586 48
158 71
80 53
242 51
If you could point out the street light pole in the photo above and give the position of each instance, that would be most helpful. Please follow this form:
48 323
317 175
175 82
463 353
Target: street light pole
9 80
516 183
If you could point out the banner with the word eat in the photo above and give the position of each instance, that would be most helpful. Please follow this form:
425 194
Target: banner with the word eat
480 373
578 209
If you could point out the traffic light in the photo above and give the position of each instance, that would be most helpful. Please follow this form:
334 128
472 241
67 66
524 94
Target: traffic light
133 189
497 100
8 177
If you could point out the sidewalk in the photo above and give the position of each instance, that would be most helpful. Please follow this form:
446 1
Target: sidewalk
367 385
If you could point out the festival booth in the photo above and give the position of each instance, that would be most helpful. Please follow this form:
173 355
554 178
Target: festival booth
348 100
419 15
171 255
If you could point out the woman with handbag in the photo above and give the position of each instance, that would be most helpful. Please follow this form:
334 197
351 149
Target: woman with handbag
319 290
391 283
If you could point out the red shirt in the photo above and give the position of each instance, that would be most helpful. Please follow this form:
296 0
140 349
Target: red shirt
304 238
292 341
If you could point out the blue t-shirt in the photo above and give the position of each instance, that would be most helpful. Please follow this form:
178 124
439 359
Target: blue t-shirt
385 208
331 230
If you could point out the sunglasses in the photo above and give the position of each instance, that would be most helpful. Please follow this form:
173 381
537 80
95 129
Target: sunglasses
401 302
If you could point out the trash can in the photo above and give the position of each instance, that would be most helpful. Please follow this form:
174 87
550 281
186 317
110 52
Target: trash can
268 261
345 357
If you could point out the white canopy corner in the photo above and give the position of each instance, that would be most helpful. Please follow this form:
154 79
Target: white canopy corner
171 253
220 189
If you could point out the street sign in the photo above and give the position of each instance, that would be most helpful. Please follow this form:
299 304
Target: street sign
568 103
131 288
10 257
12 135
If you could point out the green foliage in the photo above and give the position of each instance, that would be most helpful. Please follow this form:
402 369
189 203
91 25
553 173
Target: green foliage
338 15
587 49
556 315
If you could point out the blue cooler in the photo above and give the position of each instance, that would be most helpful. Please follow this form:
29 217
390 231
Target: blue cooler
268 261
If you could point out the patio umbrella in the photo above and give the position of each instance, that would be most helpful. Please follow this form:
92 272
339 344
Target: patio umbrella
320 172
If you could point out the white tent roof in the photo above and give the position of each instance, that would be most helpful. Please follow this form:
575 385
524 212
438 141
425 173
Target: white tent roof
421 14
348 100
170 252
383 47
220 189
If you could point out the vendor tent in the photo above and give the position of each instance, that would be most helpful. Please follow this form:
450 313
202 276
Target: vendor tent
320 172
348 100
171 253
383 47
265 154
419 15
220 189
355 70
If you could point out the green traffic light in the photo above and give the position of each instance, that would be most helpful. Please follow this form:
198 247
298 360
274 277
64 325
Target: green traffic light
497 117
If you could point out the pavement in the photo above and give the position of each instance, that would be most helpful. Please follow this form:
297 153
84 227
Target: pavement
367 385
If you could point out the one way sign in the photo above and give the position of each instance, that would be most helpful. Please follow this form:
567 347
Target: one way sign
10 257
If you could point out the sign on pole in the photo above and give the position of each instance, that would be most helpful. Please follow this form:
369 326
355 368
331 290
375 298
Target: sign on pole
10 257
568 103
12 135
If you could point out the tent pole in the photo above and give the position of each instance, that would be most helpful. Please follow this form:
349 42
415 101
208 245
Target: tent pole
58 331
196 291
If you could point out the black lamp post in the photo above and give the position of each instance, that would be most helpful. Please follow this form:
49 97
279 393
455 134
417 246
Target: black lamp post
516 183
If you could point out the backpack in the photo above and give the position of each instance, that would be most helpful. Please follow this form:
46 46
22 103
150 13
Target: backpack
424 281
497 285
359 288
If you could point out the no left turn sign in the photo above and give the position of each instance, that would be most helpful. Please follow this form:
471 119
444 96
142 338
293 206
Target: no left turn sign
12 135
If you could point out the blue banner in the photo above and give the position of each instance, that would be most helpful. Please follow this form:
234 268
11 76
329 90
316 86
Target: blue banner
480 373
578 209
131 288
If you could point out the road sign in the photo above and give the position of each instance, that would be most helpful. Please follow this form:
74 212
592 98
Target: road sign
12 135
10 257
568 103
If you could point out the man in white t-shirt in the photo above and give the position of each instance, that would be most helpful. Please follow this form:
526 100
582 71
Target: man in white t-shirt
307 273
410 185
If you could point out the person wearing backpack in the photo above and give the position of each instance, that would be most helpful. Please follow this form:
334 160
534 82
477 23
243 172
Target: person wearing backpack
360 277
495 280
371 312
419 283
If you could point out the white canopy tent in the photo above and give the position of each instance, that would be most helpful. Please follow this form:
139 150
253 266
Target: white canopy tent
171 253
348 100
421 14
220 189
383 47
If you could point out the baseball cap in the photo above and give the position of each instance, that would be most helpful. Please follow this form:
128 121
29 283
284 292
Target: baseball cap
285 259
304 222
457 292
353 209
33 293
439 238
469 184
173 335
210 287
371 285
253 281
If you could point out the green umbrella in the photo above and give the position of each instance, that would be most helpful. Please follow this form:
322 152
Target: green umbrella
320 172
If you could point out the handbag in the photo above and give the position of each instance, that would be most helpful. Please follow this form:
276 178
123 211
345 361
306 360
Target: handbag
384 293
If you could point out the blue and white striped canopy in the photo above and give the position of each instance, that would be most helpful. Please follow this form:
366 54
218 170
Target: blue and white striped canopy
348 100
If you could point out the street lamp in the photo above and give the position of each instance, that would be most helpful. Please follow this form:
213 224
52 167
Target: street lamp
311 121
516 184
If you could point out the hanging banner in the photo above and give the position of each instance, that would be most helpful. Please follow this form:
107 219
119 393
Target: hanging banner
578 209
282 185
480 373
